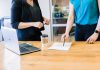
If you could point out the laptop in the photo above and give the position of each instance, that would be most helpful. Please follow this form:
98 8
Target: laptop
0 31
11 42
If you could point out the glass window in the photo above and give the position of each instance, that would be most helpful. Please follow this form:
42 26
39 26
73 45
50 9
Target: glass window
59 13
57 32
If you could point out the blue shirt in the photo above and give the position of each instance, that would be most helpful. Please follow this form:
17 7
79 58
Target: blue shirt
86 11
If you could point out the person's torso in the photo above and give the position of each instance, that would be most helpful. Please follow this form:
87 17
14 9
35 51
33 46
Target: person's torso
86 11
30 14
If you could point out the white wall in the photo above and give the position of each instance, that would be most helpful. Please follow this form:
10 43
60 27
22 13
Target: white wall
5 6
45 8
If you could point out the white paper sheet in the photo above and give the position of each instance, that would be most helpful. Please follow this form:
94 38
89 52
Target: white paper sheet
59 46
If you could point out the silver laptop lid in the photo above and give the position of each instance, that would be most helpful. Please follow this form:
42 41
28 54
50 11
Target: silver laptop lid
10 39
0 30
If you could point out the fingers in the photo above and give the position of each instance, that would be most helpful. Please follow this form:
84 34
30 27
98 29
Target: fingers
40 25
46 21
90 41
63 36
66 37
92 38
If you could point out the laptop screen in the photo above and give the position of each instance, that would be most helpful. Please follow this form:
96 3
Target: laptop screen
0 24
0 30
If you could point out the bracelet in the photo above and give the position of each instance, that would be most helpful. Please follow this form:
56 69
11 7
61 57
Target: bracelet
96 31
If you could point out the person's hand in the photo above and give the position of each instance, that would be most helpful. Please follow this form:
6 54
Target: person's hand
46 21
38 24
92 38
65 36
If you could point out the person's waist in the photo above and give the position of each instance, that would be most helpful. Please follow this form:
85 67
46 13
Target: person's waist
79 24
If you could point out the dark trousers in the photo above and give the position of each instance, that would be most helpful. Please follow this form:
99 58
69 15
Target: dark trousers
83 32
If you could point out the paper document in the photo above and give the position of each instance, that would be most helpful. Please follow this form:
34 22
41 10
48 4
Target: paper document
59 46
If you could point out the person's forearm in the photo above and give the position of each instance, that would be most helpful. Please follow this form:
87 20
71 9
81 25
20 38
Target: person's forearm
98 25
69 24
23 25
70 20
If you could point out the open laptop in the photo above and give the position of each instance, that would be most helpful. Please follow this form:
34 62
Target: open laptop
11 42
0 30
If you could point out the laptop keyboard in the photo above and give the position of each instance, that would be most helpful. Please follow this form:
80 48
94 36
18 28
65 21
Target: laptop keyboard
22 49
28 48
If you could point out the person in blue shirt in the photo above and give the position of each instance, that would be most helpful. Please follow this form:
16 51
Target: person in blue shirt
26 17
85 14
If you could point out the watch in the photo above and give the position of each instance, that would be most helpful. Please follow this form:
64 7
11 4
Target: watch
96 31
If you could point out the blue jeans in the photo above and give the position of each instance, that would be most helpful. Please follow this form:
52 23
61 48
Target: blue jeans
83 32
